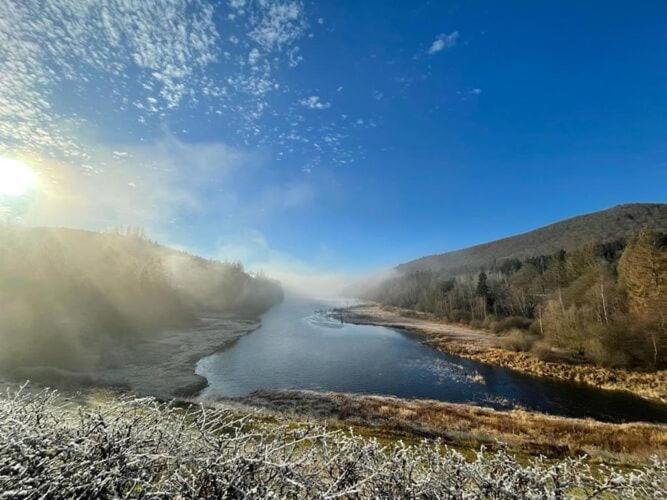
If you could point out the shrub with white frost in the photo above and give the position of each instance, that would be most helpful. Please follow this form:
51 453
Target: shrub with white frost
140 448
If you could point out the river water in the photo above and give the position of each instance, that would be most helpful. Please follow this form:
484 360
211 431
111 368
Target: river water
301 346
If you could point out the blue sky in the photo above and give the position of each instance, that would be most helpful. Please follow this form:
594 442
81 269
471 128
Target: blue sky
333 137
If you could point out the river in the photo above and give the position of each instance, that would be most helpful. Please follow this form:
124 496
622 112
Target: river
301 346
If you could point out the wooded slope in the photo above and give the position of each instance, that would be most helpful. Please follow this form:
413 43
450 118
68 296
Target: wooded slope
615 223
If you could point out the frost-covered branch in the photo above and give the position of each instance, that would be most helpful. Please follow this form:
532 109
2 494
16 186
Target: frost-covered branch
145 449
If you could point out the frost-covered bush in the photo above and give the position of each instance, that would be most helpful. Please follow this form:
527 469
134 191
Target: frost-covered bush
142 448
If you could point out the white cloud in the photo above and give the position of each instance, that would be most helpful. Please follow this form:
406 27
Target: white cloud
153 54
469 94
314 102
63 42
253 57
443 41
277 23
147 185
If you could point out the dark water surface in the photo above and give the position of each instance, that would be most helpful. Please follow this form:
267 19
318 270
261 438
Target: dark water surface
300 346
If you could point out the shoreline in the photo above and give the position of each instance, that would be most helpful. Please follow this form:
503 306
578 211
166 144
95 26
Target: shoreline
162 365
466 426
481 346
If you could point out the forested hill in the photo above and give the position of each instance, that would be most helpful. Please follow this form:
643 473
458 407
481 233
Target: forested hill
594 287
65 292
616 223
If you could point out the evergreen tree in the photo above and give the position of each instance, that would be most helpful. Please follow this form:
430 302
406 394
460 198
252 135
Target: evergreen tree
484 291
482 285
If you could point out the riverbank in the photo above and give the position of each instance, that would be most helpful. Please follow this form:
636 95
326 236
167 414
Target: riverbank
469 427
484 347
162 365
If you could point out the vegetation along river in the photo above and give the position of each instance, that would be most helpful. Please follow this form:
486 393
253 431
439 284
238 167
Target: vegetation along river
301 345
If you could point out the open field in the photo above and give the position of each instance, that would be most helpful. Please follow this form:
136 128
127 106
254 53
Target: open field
482 346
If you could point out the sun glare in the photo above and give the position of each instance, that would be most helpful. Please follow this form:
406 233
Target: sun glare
16 178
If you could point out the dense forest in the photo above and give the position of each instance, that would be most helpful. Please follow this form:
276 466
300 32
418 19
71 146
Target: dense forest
605 303
68 295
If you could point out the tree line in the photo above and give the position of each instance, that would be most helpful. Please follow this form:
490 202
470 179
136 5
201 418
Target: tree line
604 303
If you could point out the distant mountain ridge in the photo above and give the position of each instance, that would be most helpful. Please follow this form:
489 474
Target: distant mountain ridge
612 224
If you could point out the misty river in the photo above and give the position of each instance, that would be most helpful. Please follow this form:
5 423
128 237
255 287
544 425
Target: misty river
300 345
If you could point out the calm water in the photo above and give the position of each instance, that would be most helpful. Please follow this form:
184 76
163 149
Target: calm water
300 346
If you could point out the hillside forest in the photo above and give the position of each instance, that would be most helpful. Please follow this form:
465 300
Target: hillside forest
67 295
603 303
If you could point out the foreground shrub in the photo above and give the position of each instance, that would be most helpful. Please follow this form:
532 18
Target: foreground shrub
459 316
600 351
477 324
143 449
511 323
489 321
545 352
518 341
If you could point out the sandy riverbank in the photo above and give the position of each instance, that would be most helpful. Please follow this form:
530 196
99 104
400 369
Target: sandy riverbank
162 365
482 346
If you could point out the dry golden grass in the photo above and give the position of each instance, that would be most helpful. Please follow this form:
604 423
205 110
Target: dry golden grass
467 425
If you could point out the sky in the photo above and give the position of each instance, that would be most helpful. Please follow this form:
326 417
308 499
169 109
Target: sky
331 138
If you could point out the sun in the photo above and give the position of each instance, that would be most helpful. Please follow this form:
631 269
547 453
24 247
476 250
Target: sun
16 178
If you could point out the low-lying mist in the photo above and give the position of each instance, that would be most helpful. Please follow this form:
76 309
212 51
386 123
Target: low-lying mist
67 296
